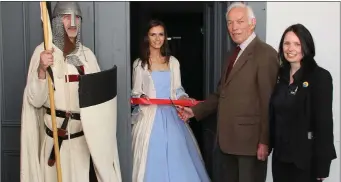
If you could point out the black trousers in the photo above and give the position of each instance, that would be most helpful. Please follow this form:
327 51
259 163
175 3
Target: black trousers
237 168
288 172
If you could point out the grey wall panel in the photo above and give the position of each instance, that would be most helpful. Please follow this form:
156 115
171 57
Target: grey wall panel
88 25
259 9
20 33
10 171
11 140
34 30
14 53
112 48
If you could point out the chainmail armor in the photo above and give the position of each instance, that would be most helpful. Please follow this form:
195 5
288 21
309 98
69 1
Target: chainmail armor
58 32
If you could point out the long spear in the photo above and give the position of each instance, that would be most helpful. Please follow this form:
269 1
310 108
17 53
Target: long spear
48 46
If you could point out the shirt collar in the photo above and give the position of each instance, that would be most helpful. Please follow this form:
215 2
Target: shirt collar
247 41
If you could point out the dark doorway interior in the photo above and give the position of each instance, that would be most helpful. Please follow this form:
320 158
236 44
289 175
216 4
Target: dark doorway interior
184 23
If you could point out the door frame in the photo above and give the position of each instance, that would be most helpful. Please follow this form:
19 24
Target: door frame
1 90
216 44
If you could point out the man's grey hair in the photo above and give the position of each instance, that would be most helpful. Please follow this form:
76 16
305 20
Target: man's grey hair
250 13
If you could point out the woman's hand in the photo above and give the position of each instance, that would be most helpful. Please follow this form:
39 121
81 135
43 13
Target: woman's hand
186 98
144 96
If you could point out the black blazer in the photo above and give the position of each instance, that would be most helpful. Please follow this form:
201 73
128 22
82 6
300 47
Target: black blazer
308 112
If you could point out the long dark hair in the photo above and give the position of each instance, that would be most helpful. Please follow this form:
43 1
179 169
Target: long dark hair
145 51
307 45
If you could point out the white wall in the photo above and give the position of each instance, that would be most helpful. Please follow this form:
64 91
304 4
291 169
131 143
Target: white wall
322 19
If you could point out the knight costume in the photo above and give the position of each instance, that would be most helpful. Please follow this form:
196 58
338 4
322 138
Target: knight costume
79 138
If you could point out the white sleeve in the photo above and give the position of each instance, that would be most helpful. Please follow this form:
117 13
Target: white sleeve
37 89
137 79
179 90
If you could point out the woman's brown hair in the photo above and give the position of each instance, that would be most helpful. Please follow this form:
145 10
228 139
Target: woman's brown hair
145 51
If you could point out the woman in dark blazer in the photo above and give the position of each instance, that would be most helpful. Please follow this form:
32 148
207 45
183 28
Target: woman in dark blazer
301 118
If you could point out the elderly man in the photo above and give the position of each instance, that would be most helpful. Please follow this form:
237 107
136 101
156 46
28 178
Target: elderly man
242 101
67 60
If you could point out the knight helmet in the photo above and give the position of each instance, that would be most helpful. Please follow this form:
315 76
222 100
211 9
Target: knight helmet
67 8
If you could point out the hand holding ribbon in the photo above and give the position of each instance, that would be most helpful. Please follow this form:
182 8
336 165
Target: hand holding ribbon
182 105
149 101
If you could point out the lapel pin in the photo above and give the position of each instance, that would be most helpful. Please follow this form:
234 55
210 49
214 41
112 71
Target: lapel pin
305 84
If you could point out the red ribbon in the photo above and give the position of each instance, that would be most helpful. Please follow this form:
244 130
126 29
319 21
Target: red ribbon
143 101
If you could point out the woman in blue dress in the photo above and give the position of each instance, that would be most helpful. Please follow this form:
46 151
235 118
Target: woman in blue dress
164 148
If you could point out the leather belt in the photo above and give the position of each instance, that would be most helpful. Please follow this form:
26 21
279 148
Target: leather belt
63 137
63 114
62 133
